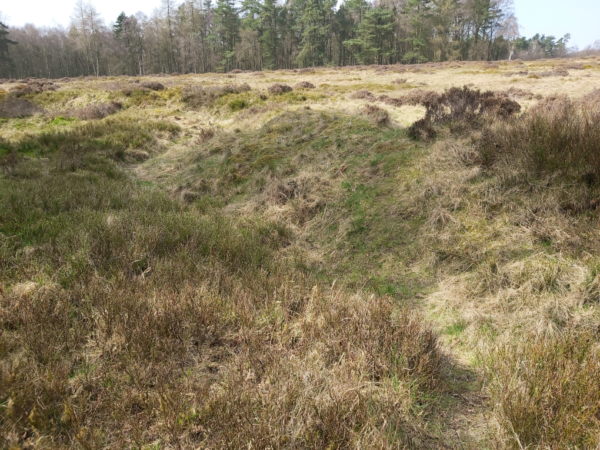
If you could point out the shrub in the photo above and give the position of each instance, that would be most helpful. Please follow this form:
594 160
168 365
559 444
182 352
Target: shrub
18 107
422 129
560 72
575 66
33 87
197 96
457 104
413 98
153 86
463 109
99 111
304 85
558 135
279 88
376 114
363 94
128 90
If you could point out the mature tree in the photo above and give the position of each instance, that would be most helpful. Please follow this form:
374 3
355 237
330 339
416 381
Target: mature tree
87 28
6 64
373 44
130 40
314 28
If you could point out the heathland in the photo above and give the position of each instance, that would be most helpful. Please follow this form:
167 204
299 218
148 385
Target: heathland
358 257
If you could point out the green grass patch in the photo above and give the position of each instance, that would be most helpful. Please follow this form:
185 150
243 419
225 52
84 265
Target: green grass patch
62 121
237 105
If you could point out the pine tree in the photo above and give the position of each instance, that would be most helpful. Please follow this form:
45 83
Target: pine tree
373 43
315 31
417 12
269 39
118 26
226 34
6 64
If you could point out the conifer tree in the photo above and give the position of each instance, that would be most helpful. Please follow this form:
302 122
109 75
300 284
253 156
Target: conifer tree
373 44
6 64
226 34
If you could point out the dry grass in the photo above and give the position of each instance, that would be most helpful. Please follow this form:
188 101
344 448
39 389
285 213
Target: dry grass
520 273
292 271
546 391
558 135
131 318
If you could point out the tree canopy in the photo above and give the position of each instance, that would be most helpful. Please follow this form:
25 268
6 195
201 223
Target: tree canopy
201 36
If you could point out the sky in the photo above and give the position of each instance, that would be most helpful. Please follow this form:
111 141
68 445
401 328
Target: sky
550 17
558 17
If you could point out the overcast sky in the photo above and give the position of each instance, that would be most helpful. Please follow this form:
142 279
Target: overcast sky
554 17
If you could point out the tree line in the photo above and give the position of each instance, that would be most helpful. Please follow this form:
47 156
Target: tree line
196 36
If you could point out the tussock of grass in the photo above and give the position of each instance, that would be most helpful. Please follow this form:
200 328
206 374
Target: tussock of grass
558 135
546 392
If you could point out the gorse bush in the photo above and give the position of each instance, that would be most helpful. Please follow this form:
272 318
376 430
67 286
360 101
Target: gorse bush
557 135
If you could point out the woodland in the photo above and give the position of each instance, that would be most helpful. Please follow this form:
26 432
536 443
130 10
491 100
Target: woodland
199 36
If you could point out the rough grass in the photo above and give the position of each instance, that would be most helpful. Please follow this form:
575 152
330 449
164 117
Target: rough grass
112 137
558 135
546 391
130 318
198 96
290 271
